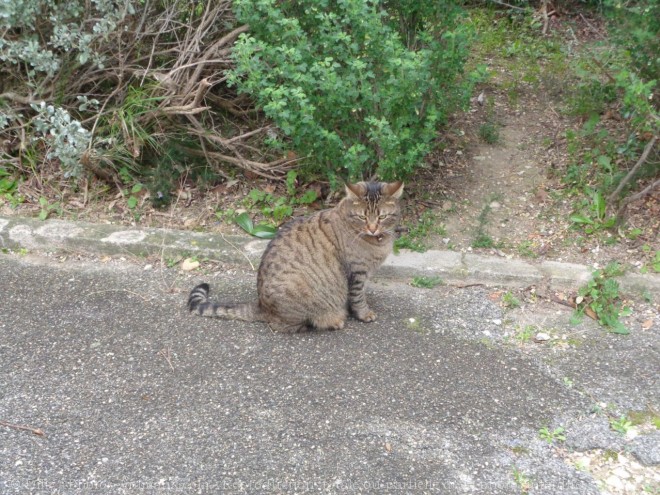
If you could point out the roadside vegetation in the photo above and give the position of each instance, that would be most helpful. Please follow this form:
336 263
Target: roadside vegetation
150 105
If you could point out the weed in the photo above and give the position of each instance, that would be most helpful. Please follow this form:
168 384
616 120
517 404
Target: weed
263 231
47 209
132 200
279 208
601 296
482 239
8 186
593 216
525 334
426 282
426 226
522 480
172 262
621 425
556 435
489 133
510 301
653 265
229 215
525 249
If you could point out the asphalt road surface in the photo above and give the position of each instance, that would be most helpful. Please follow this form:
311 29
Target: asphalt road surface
117 389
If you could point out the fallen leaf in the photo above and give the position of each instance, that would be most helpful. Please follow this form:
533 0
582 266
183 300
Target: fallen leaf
590 313
495 296
647 324
388 446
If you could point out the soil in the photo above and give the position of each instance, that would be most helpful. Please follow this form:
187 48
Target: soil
510 194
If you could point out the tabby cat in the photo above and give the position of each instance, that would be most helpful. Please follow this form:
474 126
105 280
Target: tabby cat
313 272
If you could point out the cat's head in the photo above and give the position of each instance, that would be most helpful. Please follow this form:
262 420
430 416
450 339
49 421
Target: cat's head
372 208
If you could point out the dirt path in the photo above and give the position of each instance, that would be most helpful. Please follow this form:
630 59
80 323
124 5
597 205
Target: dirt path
506 198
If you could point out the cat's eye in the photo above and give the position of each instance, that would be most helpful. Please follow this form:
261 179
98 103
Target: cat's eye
383 216
361 216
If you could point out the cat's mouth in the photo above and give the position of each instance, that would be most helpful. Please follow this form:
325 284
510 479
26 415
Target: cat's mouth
379 236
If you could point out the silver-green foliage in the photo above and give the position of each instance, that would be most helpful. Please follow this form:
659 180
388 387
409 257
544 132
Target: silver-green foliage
41 38
65 137
356 89
41 32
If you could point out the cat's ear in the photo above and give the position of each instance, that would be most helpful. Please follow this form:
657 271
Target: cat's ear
354 191
393 189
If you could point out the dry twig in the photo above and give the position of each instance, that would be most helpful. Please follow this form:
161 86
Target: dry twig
36 431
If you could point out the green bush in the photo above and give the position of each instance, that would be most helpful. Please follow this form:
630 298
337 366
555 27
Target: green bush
358 86
636 26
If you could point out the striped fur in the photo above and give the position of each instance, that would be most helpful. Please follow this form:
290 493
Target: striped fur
313 273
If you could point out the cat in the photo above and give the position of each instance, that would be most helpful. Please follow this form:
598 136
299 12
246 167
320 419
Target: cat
313 273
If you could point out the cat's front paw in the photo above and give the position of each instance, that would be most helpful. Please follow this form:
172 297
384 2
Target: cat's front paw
366 316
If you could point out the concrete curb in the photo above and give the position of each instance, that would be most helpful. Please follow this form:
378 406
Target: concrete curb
453 267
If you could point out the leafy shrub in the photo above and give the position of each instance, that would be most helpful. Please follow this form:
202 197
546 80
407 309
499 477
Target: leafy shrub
636 26
39 38
358 86
97 87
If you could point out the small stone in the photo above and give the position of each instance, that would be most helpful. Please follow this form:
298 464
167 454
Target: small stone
148 267
497 321
541 337
495 205
189 264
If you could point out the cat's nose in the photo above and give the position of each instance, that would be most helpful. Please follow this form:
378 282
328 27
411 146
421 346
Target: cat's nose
372 229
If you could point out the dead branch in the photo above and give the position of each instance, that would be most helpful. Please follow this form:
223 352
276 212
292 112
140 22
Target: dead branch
36 431
504 4
248 134
633 171
635 197
23 100
211 52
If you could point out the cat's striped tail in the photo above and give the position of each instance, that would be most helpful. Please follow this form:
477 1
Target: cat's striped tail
199 302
